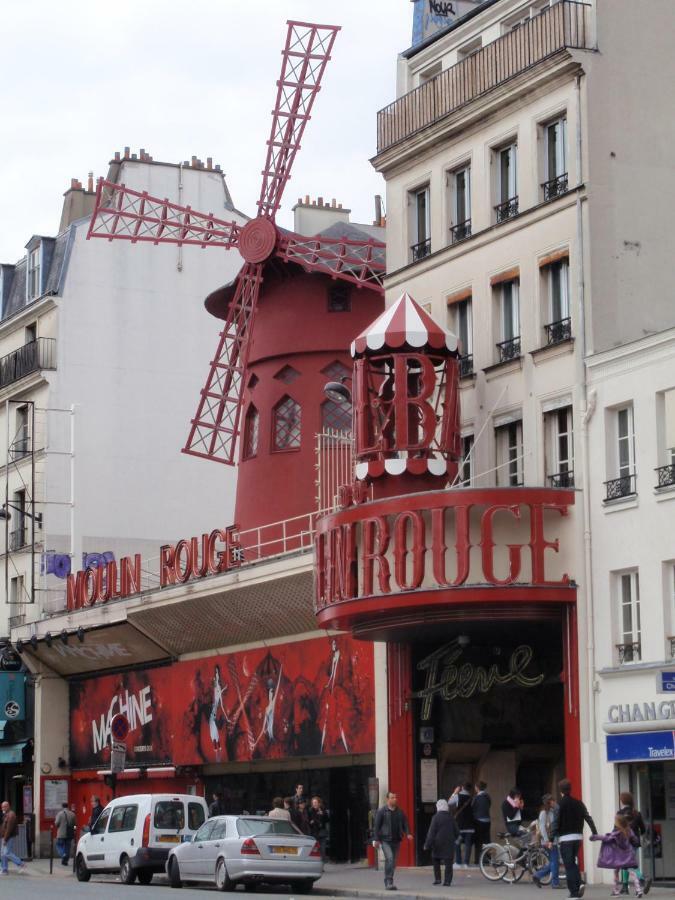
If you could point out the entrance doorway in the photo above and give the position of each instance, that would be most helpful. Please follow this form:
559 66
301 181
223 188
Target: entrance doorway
652 785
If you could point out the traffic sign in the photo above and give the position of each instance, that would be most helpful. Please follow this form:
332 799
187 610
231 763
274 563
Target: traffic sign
119 727
118 757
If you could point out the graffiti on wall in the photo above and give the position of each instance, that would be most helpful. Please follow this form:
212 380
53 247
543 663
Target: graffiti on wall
298 699
60 564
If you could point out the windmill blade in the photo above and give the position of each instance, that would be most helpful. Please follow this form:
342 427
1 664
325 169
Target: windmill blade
215 427
360 262
123 214
306 54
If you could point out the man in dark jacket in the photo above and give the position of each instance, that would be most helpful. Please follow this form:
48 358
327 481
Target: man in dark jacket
480 806
217 806
441 837
567 827
96 810
391 826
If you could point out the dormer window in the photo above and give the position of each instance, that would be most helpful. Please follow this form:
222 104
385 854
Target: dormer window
33 279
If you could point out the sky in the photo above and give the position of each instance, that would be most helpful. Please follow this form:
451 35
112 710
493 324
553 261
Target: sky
79 80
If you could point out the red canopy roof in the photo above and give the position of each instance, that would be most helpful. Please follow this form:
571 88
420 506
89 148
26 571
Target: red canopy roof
404 325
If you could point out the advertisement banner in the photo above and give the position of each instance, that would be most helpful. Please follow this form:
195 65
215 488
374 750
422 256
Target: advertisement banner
304 698
12 696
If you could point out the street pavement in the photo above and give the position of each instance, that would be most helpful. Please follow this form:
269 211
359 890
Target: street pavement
338 881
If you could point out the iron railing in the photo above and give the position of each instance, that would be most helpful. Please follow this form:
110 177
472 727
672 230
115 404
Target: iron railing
461 231
623 486
558 332
420 250
507 210
509 349
563 26
555 187
18 538
628 653
562 479
36 355
466 365
665 476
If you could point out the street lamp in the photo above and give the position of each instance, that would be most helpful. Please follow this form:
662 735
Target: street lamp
6 514
338 391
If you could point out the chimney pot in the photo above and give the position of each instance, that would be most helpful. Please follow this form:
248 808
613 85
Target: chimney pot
306 199
209 162
133 156
73 183
313 202
320 201
90 182
127 151
117 155
194 161
339 206
333 203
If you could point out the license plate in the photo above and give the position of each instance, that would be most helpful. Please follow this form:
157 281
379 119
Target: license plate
168 839
293 850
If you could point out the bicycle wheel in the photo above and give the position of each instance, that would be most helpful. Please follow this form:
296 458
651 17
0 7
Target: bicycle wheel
492 862
515 866
538 860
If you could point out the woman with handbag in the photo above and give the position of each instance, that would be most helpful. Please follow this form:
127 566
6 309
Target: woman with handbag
618 852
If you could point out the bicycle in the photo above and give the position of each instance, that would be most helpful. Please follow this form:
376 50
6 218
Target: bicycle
509 861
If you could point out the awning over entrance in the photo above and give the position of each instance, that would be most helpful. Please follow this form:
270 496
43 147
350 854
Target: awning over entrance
12 754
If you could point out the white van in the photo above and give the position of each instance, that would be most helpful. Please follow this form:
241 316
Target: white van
133 835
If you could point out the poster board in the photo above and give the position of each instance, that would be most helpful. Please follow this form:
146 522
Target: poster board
53 793
429 780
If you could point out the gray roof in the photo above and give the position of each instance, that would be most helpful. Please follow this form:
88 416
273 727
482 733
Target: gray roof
54 258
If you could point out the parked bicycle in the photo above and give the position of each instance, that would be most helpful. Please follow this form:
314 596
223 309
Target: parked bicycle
509 861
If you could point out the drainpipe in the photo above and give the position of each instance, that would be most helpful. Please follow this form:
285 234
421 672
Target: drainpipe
587 410
179 264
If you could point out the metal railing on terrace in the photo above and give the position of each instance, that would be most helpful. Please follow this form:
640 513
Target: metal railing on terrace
36 355
560 27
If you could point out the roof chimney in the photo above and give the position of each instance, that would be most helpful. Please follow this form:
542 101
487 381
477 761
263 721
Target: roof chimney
90 183
77 203
378 209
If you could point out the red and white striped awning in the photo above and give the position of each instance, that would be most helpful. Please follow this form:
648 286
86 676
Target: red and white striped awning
404 325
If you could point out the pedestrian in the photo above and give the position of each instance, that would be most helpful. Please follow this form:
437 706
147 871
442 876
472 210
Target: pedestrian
637 824
391 826
299 795
461 799
300 817
8 832
512 811
65 832
548 808
567 826
217 806
618 853
318 824
441 839
96 810
480 807
279 811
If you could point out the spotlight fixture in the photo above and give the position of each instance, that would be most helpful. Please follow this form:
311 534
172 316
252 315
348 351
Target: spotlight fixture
48 639
19 646
80 635
64 636
34 641
338 391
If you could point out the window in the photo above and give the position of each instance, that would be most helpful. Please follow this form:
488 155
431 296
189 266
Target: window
123 818
461 204
101 822
559 447
287 421
421 224
30 333
204 832
339 297
430 72
336 415
264 826
17 535
555 161
33 282
507 184
16 590
287 374
466 462
558 328
509 439
670 616
624 484
195 816
169 814
509 313
21 443
251 432
665 405
463 327
629 618
469 49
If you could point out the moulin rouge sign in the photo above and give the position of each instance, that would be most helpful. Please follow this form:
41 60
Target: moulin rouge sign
400 544
189 558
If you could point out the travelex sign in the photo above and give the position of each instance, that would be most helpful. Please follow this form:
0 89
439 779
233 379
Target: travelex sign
653 746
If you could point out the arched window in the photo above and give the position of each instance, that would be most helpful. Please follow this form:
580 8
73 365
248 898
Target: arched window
336 415
251 432
286 424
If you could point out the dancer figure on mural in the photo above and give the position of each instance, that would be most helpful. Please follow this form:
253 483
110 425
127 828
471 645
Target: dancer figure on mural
268 718
217 704
336 705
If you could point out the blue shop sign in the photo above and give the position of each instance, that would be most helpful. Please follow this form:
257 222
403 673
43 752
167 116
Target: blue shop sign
12 696
638 746
667 682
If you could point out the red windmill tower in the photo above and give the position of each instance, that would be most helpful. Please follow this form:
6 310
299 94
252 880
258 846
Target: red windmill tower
279 344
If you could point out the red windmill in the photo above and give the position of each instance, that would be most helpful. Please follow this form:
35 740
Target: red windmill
123 214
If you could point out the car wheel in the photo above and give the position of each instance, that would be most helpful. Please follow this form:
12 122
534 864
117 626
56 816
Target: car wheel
302 887
174 873
223 880
127 874
82 873
144 877
250 886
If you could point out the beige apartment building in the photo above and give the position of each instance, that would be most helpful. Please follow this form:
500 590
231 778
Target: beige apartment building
527 191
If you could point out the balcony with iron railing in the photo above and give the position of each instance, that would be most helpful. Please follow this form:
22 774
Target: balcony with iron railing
665 476
466 365
420 250
555 187
507 210
564 26
558 332
620 488
562 479
671 643
508 350
630 652
32 357
461 231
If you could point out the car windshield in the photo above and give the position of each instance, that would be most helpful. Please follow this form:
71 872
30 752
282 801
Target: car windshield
169 814
265 826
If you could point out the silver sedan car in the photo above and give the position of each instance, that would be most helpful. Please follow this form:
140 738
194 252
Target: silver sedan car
248 850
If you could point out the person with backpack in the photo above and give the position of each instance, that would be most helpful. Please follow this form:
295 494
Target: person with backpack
65 832
618 853
637 824
461 800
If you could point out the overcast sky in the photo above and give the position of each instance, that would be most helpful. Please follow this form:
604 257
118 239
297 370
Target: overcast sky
79 80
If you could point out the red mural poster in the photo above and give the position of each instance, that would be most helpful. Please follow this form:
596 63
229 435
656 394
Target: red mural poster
297 699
